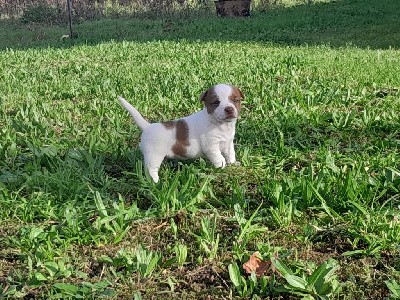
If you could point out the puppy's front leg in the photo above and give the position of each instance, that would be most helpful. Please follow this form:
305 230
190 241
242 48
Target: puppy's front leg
229 153
213 153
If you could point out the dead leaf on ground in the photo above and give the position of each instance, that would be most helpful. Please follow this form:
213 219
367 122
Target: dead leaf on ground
256 265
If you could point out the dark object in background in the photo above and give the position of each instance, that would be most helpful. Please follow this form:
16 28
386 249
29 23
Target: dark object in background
71 35
233 8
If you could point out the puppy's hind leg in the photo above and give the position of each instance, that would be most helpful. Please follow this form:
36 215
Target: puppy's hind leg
153 164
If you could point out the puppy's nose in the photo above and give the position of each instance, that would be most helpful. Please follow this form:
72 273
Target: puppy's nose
229 110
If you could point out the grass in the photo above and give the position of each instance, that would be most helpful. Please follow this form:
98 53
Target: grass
365 24
317 192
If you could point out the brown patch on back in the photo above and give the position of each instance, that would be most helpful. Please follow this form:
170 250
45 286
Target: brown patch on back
209 98
169 124
182 139
236 97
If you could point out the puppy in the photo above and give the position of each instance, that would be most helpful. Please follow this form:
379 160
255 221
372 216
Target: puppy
207 133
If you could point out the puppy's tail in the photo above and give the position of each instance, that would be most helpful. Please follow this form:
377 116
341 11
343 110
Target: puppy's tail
136 116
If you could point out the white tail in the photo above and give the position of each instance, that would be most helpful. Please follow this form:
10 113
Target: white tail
136 116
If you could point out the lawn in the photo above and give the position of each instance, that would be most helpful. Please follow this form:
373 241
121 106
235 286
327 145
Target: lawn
317 194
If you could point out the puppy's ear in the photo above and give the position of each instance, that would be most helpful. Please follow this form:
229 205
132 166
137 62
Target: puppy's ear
203 96
241 93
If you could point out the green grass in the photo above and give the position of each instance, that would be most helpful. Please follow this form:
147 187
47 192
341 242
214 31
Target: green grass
317 191
365 24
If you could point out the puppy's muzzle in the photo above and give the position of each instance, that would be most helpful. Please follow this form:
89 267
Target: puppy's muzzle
229 112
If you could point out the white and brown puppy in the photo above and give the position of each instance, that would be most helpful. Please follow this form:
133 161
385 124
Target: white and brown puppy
208 133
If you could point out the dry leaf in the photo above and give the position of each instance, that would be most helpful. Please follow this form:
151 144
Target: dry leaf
255 264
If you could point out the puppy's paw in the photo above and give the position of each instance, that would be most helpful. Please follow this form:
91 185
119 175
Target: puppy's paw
220 163
153 175
223 164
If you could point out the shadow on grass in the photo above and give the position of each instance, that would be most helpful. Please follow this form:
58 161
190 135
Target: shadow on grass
362 23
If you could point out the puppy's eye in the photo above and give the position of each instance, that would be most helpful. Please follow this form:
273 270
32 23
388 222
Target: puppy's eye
216 103
236 100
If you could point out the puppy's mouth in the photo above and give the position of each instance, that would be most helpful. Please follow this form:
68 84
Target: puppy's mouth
229 118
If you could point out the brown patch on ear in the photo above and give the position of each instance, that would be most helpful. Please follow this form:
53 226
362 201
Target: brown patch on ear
182 139
169 124
204 94
209 98
235 97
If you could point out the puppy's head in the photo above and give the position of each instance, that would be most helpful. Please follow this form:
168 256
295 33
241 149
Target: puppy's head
222 102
